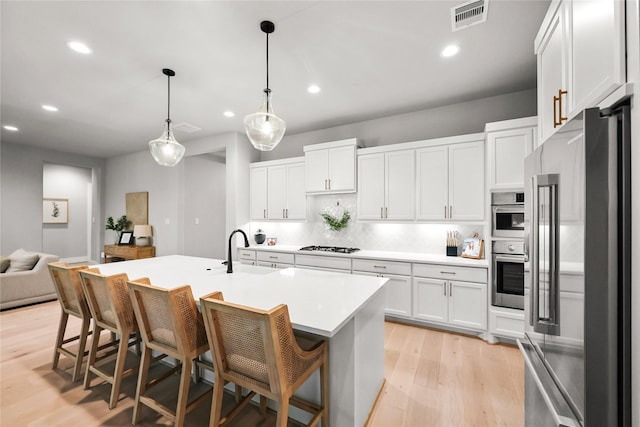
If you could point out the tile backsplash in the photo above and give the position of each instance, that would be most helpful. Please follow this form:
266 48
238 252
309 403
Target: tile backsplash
397 236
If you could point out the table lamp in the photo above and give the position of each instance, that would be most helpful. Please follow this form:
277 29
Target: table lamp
143 234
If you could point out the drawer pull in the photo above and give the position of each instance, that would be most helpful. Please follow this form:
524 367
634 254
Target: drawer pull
379 266
447 272
273 257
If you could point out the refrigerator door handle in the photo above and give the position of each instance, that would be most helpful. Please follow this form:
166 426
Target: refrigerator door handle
559 420
546 210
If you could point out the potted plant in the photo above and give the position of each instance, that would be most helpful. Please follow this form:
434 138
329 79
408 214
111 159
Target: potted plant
117 226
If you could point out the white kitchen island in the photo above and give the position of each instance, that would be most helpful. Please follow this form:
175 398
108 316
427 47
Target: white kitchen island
345 309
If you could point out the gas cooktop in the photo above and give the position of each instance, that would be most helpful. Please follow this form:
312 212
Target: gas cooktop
330 249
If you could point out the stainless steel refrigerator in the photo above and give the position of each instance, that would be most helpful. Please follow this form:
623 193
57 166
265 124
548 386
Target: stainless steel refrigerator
577 284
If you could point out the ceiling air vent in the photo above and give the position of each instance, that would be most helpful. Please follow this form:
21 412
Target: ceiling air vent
186 127
468 14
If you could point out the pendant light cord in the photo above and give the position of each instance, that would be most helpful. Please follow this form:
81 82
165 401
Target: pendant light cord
267 91
267 61
168 106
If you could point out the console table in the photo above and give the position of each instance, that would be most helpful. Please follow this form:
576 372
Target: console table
128 252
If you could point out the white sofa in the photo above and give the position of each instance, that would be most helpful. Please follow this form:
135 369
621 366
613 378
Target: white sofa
26 287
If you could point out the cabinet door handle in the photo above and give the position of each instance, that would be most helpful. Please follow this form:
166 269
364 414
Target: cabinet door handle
444 287
325 185
450 211
447 272
381 212
450 291
386 212
264 213
329 183
445 212
287 212
557 112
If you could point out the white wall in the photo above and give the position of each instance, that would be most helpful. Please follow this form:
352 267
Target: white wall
167 187
204 210
21 174
68 241
450 120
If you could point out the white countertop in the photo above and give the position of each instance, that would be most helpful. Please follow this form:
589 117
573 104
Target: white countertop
319 302
381 255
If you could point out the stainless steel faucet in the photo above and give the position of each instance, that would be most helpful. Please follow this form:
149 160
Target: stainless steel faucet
246 245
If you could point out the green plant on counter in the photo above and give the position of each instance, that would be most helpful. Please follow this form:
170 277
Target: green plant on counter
120 225
337 224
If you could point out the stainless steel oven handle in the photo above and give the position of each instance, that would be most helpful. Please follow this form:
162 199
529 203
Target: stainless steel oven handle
559 420
510 258
508 209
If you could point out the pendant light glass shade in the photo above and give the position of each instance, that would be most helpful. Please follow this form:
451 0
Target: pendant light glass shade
264 129
166 150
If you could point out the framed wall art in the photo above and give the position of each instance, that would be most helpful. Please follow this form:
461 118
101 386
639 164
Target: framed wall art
55 211
138 208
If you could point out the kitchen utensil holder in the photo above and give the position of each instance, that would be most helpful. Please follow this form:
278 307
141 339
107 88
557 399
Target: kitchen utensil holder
452 251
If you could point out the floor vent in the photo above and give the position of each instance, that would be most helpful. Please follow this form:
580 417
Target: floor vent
468 14
186 127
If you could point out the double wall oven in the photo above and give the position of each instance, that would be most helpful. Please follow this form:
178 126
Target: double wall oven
507 232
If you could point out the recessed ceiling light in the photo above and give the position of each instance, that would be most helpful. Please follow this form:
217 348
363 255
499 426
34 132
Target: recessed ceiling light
229 113
79 47
313 89
11 128
50 108
450 50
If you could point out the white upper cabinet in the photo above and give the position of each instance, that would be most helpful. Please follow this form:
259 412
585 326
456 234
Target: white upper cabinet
553 58
466 181
450 184
296 192
277 190
433 183
508 143
331 167
581 58
258 193
386 183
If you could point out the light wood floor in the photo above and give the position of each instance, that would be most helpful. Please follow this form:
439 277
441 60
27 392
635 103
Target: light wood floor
434 378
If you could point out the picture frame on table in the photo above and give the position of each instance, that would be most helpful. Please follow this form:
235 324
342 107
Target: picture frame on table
472 248
126 238
55 211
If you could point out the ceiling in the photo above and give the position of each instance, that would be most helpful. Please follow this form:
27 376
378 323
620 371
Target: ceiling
370 58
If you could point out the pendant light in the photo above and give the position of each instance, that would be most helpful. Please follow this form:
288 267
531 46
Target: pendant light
264 129
166 150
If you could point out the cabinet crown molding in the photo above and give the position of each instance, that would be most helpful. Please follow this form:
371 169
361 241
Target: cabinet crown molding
448 140
332 144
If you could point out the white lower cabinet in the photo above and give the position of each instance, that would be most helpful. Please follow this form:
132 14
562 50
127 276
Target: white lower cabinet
326 263
275 259
453 302
397 289
506 322
247 256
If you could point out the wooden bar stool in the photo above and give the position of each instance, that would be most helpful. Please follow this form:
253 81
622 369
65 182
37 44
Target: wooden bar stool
170 323
258 350
66 281
110 305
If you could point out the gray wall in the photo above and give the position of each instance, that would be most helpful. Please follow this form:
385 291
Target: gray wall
204 209
69 241
21 174
450 120
170 189
138 172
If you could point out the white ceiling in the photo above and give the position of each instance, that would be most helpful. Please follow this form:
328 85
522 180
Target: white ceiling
371 59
